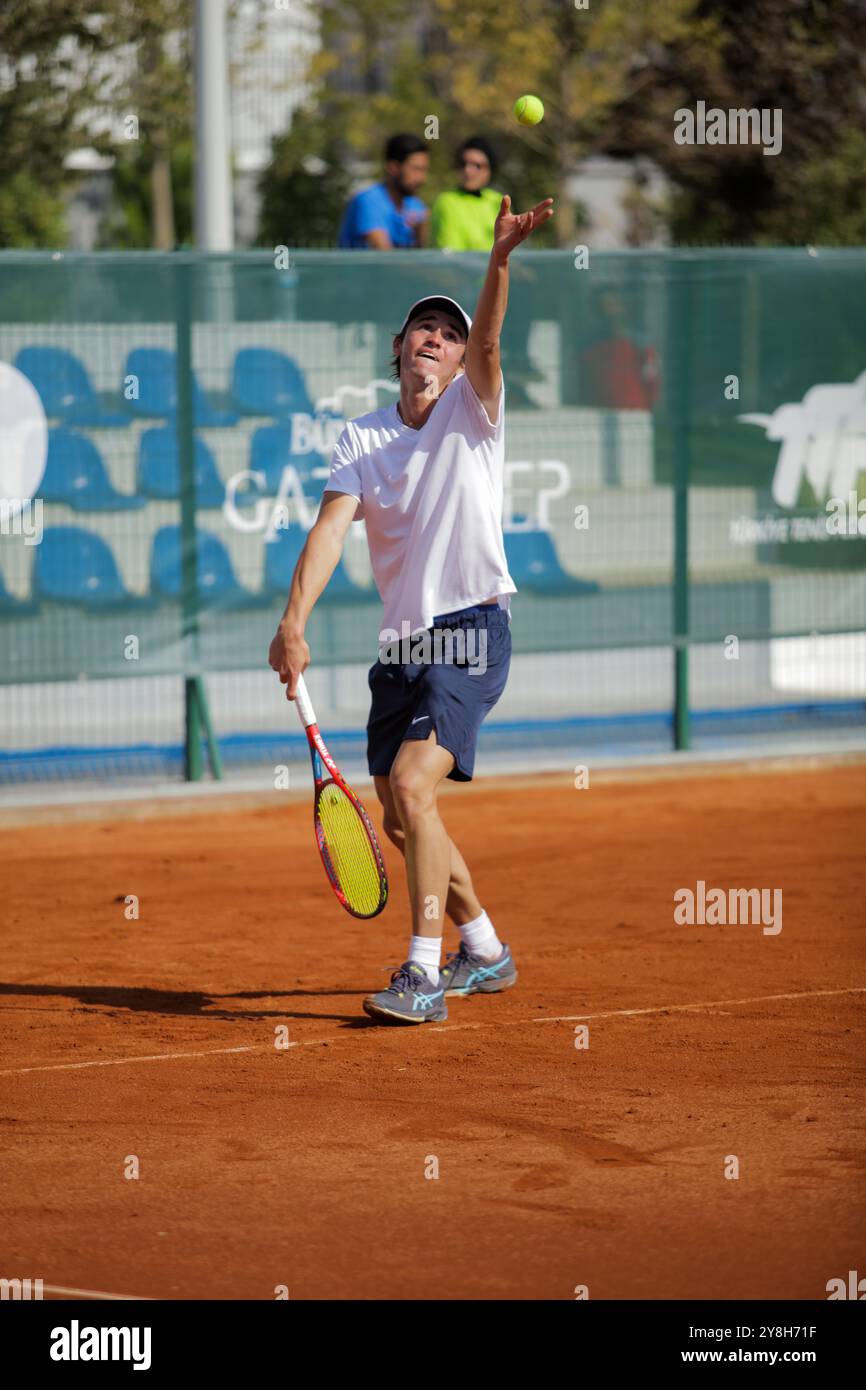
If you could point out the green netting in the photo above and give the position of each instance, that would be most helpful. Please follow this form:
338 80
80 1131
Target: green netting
643 512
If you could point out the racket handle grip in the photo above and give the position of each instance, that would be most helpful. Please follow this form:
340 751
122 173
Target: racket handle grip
304 704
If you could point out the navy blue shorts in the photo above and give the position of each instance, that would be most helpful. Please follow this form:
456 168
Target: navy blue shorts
457 680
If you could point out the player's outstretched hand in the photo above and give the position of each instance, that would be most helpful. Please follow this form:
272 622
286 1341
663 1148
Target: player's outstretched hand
290 657
511 228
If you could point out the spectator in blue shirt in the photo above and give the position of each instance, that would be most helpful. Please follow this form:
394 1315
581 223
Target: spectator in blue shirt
388 214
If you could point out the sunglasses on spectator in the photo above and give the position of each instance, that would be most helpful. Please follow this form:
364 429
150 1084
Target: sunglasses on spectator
474 163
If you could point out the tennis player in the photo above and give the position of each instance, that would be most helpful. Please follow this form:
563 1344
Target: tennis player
426 476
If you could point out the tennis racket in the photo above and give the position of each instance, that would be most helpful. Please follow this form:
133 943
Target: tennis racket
344 832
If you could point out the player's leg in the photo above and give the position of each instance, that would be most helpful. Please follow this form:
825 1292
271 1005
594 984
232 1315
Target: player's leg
460 690
414 994
412 766
462 904
483 963
419 769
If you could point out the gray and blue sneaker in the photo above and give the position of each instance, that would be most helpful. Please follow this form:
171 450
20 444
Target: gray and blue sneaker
465 973
410 998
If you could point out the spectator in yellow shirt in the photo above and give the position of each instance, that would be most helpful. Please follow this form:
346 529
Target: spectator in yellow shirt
463 217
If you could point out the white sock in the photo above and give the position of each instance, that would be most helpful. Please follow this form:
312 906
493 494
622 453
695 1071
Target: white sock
481 939
426 951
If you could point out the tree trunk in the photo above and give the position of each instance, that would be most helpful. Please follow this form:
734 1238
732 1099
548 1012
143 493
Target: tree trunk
565 223
564 218
567 30
162 204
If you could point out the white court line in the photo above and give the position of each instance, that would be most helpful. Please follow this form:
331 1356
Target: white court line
656 1009
127 1061
452 1028
91 1293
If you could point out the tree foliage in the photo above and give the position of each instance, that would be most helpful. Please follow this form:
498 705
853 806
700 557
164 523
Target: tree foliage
806 58
386 67
151 82
304 188
611 77
46 56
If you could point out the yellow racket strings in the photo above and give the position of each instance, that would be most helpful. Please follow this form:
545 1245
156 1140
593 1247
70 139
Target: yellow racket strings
352 856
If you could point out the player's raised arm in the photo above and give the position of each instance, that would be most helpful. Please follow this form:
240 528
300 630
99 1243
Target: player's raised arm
482 348
289 653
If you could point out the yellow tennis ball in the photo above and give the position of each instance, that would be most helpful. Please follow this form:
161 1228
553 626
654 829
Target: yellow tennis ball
529 110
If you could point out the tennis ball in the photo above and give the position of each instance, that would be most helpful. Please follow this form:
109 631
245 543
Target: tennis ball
529 110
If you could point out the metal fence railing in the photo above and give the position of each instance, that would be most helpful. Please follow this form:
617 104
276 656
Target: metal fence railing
685 488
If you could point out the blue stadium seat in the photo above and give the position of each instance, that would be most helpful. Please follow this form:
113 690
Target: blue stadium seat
156 370
265 382
271 452
77 566
534 565
75 474
66 389
281 556
218 586
159 468
10 606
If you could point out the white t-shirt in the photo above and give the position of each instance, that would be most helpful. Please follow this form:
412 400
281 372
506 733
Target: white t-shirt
432 503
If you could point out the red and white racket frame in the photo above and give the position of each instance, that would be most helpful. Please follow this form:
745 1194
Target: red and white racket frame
320 756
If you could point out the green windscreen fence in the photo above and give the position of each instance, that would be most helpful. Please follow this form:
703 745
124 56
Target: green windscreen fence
684 515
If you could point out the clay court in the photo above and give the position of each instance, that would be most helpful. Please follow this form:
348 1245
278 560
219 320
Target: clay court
557 1166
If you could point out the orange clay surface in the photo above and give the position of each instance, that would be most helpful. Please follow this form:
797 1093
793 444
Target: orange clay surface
557 1167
